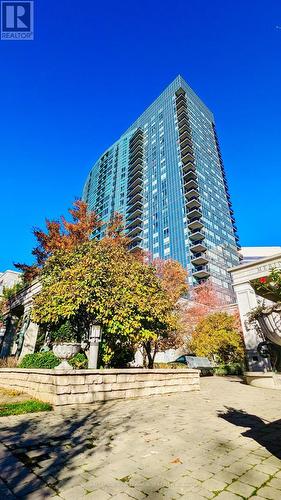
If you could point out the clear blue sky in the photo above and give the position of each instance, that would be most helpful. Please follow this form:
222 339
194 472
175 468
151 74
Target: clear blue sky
95 66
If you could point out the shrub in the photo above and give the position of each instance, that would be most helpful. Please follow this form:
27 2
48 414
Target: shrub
49 361
79 361
217 337
170 365
39 360
9 362
63 333
229 369
221 371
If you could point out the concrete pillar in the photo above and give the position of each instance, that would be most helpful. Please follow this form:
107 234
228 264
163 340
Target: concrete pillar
8 336
30 338
94 338
93 355
247 300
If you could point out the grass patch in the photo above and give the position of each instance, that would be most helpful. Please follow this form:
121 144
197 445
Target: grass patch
29 406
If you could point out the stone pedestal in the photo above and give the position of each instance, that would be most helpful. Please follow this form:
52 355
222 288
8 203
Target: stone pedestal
247 300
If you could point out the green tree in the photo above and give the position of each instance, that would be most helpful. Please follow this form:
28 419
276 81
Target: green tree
217 337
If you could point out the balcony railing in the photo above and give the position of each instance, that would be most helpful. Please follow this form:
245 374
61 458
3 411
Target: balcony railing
199 259
190 185
194 213
201 272
195 224
198 247
192 193
197 235
193 202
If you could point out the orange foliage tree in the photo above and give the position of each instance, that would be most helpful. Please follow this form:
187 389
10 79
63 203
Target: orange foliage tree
60 235
204 300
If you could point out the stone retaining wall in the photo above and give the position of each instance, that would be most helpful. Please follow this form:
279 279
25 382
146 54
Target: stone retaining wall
60 387
267 380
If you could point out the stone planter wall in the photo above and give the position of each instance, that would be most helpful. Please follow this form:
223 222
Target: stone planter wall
88 386
266 380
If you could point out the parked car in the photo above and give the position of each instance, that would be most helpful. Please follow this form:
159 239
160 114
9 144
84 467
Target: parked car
198 362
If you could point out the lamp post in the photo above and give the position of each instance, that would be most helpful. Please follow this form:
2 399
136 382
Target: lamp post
94 338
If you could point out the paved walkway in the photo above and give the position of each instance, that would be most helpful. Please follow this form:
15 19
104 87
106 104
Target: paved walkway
223 442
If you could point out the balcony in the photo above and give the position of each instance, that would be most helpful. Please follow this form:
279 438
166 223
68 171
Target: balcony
198 247
135 190
185 150
201 272
183 127
190 185
188 166
135 246
189 176
134 218
182 113
182 120
136 239
137 179
134 213
136 168
134 231
132 199
195 213
135 150
136 138
193 203
184 134
185 141
180 100
199 259
181 105
138 158
197 235
195 224
187 158
192 193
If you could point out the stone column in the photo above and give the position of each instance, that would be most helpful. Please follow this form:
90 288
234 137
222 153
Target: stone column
8 336
247 300
30 338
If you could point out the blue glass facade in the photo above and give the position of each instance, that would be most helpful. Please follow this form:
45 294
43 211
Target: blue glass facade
165 175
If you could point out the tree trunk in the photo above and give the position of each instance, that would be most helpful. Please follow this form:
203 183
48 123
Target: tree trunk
150 358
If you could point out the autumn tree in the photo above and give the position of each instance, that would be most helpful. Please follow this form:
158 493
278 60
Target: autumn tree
203 300
102 281
60 235
173 277
217 337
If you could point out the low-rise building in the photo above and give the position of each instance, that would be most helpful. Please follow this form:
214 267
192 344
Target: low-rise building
251 254
8 279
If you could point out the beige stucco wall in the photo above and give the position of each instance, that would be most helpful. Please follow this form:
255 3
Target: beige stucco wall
60 387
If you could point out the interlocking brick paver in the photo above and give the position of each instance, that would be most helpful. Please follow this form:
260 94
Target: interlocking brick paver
71 493
214 485
267 468
242 489
275 483
254 478
270 493
227 495
219 443
97 495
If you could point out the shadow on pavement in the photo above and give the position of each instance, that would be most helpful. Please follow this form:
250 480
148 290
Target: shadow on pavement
267 434
45 451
